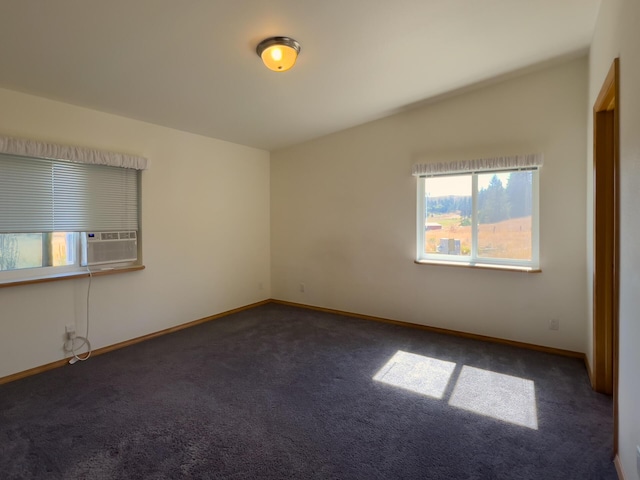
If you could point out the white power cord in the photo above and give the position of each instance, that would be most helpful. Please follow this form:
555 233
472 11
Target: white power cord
70 343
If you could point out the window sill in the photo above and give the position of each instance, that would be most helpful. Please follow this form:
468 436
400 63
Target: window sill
72 275
483 266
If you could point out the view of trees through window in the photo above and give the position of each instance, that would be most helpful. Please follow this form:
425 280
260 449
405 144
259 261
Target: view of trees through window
504 214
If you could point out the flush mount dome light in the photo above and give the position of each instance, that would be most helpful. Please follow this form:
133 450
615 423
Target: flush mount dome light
278 53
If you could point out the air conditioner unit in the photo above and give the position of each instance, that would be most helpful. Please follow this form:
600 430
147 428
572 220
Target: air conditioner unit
109 247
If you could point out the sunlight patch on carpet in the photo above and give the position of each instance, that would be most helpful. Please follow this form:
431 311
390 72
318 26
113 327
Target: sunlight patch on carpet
496 395
420 374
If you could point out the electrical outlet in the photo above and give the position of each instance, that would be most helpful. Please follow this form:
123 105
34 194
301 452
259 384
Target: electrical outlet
554 324
302 288
260 286
70 331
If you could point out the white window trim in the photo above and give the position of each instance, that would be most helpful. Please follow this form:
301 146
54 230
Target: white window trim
36 273
422 171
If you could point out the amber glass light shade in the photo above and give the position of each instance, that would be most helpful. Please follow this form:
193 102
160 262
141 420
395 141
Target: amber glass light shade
278 53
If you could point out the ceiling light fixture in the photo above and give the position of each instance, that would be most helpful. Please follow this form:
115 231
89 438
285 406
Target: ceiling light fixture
278 53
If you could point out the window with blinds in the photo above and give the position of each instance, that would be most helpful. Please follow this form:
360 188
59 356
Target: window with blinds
46 204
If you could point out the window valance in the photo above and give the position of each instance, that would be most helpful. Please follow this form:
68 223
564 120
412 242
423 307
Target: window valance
37 149
513 162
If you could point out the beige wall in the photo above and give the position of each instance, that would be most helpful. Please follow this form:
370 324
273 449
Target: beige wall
617 35
205 235
343 213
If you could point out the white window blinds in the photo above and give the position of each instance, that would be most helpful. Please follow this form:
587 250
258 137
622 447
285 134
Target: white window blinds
48 187
44 195
514 162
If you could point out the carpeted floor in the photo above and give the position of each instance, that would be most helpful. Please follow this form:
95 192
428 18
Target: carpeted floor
279 392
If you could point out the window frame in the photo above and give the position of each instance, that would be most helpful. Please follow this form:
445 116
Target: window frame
43 271
25 274
60 159
473 260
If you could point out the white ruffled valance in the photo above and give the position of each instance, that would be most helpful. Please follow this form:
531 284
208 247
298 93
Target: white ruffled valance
513 162
53 151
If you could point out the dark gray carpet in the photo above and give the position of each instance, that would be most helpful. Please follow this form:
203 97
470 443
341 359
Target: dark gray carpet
278 392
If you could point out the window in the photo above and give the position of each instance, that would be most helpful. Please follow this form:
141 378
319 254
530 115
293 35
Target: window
484 212
46 205
35 250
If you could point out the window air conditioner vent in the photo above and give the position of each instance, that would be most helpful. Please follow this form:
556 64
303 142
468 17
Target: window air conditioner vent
109 247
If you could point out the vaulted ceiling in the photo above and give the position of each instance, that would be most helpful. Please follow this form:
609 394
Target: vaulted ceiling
192 65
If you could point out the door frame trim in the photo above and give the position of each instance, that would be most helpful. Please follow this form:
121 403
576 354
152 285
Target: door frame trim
606 235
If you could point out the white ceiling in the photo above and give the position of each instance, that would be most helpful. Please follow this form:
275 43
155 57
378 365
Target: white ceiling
191 64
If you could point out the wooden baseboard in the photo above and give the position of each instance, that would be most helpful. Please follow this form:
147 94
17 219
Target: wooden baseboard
34 371
619 471
589 371
126 343
474 336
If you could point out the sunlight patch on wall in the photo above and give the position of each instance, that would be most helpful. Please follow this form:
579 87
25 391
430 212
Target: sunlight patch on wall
424 375
496 395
